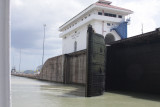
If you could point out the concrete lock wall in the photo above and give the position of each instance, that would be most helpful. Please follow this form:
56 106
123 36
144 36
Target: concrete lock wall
52 70
68 68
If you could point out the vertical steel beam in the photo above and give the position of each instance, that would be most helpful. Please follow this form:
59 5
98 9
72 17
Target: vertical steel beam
5 53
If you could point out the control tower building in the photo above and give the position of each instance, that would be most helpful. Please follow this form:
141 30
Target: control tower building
105 19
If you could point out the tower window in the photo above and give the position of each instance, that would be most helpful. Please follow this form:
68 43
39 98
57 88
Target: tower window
106 14
114 15
110 15
75 46
119 16
108 24
99 13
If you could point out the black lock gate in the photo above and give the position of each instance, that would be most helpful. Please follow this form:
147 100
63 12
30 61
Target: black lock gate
95 84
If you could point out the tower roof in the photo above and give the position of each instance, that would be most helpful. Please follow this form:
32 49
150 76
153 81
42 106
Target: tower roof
107 4
101 4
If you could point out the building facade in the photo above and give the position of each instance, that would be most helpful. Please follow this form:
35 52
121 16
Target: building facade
105 19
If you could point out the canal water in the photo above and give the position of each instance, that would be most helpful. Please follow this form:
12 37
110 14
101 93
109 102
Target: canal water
34 93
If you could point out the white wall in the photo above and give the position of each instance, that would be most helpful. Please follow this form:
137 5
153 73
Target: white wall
4 54
81 28
80 36
97 26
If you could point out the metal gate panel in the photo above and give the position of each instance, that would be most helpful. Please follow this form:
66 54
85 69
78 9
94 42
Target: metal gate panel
95 64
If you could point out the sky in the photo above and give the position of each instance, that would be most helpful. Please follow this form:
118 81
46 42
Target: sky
29 16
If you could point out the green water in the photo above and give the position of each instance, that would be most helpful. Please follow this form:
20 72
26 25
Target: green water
33 93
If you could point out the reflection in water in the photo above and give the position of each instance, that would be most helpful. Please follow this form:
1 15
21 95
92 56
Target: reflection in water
33 93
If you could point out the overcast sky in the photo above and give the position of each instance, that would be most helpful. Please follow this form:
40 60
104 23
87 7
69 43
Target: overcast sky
28 17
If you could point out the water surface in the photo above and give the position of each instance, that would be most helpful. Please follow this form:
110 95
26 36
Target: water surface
34 93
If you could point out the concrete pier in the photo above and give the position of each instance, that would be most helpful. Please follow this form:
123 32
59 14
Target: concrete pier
5 53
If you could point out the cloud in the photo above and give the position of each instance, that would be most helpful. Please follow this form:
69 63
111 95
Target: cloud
28 17
145 13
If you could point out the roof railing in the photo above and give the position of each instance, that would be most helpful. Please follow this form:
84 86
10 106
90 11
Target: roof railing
104 2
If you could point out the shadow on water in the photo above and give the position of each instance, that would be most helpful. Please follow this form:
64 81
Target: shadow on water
139 95
64 90
79 91
69 90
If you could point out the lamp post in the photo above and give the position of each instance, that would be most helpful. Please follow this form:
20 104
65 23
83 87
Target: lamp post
43 43
20 60
142 28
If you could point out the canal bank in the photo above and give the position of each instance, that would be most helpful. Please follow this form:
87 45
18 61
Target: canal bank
33 93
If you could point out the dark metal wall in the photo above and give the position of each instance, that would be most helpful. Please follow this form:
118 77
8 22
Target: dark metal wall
95 64
134 64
